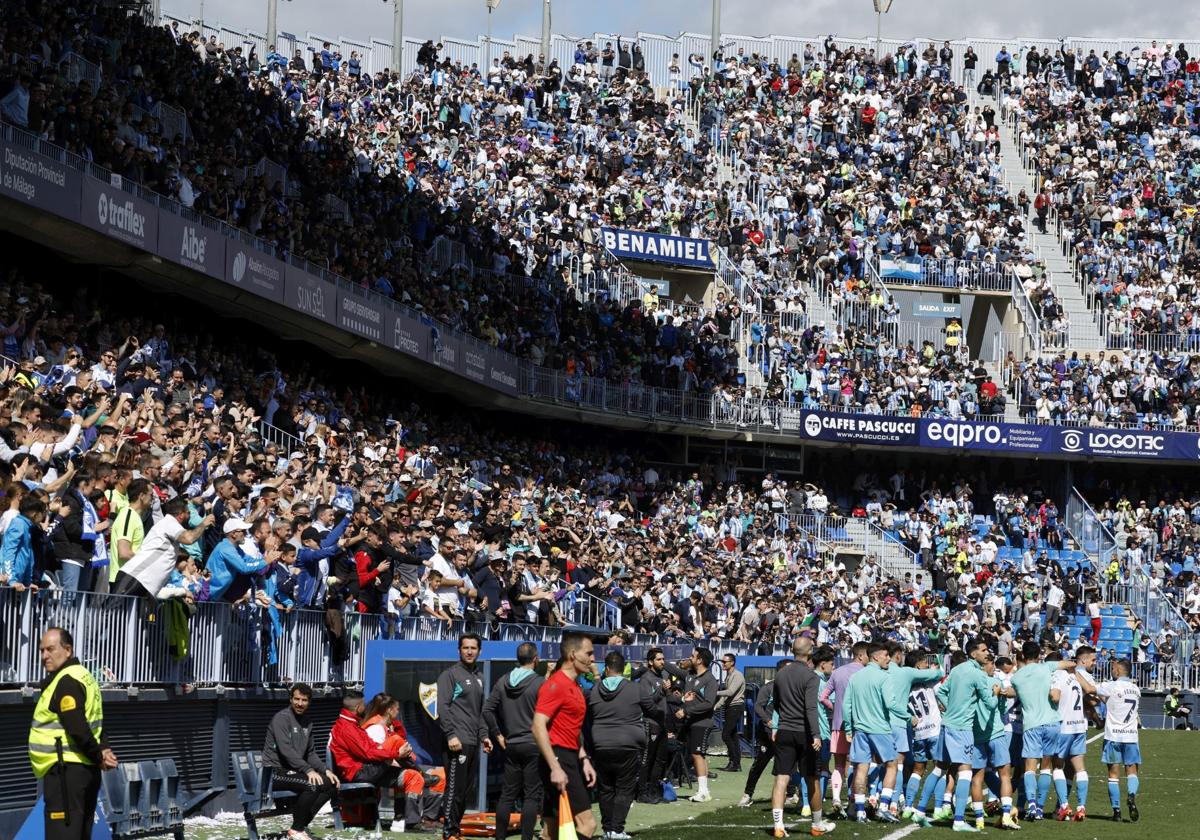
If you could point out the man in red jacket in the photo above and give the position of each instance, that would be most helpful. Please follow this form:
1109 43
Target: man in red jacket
357 758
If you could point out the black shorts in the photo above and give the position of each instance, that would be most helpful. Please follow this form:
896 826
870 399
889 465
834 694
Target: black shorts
794 754
577 789
697 738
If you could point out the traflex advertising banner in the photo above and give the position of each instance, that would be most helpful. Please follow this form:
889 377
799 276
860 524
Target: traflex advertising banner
121 215
1000 438
39 181
191 244
658 247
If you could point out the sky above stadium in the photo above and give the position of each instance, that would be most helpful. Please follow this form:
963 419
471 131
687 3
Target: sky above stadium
361 19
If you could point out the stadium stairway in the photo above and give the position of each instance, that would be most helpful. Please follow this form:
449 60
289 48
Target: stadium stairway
1084 332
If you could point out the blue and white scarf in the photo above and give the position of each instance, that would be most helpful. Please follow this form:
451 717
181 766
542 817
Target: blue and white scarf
90 519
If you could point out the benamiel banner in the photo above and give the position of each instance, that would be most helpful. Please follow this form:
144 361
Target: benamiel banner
658 247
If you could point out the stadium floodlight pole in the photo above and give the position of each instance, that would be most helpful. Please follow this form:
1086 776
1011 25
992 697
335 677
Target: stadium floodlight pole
716 33
487 50
201 17
881 9
546 31
272 22
398 36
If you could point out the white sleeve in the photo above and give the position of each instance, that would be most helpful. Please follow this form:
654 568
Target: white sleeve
67 442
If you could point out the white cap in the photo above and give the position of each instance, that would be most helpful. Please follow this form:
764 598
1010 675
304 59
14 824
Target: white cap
232 525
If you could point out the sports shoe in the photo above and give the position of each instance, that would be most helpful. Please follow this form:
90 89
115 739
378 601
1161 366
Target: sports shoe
293 834
861 818
822 828
700 797
906 813
1116 817
806 812
886 816
1031 811
1063 814
621 835
837 809
1133 809
746 801
980 823
780 831
1009 822
794 799
918 818
942 814
1039 813
966 828
992 807
1080 814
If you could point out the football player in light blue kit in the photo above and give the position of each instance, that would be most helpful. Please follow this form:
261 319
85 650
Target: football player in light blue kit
966 695
1039 714
902 679
1122 699
993 748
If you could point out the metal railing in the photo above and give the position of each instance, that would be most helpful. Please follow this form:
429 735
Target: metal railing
80 69
286 441
1027 311
962 274
174 121
1156 677
124 641
1133 587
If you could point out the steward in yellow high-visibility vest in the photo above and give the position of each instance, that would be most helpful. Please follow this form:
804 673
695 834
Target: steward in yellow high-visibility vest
67 747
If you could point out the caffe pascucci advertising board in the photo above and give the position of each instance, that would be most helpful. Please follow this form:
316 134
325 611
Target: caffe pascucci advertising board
42 183
999 438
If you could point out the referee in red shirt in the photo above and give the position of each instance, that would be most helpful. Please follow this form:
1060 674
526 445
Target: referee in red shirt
558 731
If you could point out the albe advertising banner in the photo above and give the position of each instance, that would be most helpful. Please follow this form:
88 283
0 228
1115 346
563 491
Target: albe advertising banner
191 244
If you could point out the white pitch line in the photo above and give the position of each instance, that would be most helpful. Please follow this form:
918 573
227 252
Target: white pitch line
901 832
1095 738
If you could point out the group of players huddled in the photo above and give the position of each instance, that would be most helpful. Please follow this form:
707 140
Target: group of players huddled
920 738
913 740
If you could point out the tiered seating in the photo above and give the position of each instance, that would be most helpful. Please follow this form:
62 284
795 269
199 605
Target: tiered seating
1068 559
1116 632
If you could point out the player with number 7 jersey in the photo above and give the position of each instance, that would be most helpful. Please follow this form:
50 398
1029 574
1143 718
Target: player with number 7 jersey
1122 699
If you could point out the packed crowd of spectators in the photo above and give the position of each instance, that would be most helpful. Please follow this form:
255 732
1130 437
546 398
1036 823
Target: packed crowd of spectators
1160 540
863 370
1139 389
1111 137
521 164
131 454
133 463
